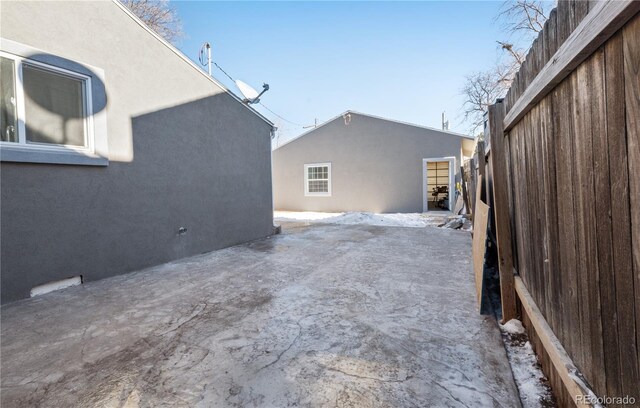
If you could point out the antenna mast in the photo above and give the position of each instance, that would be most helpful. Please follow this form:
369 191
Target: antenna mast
206 46
445 122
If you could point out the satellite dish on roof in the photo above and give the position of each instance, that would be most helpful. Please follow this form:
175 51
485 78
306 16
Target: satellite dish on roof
250 94
247 91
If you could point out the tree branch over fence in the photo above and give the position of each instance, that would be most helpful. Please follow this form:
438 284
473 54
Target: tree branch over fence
483 88
524 15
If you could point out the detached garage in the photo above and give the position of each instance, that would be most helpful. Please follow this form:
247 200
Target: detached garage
359 162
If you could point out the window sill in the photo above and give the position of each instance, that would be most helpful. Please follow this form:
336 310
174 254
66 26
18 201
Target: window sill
21 154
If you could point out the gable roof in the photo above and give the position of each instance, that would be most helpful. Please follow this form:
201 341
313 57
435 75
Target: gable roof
375 117
188 61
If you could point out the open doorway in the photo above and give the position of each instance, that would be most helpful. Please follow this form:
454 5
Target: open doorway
438 183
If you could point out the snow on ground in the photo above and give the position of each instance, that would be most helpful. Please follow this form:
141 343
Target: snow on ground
415 220
513 326
305 215
532 384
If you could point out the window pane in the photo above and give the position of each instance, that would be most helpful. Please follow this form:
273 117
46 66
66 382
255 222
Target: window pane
318 186
8 119
318 173
54 110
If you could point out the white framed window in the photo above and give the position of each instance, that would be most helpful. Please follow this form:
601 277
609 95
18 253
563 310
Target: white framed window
46 111
44 106
317 179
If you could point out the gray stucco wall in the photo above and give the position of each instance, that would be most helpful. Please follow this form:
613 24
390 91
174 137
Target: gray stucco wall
376 165
182 153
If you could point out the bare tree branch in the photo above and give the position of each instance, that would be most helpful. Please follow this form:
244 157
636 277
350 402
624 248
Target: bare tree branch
523 15
481 89
518 56
159 16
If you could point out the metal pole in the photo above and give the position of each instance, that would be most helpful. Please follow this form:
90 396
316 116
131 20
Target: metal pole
209 58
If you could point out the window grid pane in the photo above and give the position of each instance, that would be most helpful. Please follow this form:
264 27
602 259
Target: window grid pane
318 173
318 186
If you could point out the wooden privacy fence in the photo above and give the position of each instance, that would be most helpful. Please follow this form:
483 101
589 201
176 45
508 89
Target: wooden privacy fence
565 169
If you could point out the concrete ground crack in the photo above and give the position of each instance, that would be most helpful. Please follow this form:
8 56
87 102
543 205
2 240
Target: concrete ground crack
391 312
83 344
401 344
292 342
364 377
437 384
282 352
195 312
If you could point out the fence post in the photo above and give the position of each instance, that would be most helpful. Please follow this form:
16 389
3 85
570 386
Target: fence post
472 184
481 169
465 195
501 210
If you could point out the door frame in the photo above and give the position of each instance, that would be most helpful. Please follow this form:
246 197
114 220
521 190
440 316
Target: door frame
452 180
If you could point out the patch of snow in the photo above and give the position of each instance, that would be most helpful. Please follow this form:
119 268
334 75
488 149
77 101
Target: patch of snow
54 286
415 220
533 386
304 215
457 222
513 326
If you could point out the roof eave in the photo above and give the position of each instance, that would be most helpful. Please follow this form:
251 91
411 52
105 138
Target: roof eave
376 117
188 61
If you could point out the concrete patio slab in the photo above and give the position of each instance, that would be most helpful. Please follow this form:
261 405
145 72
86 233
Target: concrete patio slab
322 315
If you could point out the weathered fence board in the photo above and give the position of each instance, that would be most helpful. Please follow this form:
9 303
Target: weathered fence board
549 193
604 207
584 218
501 216
480 220
631 51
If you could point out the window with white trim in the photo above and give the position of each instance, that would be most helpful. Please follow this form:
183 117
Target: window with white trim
317 179
44 107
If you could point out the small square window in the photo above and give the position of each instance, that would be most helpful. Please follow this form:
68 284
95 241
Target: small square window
317 179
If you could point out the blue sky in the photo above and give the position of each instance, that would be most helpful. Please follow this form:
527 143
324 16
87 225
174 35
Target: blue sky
401 60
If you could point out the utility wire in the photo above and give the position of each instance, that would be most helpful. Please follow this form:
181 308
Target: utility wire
231 78
285 119
223 71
